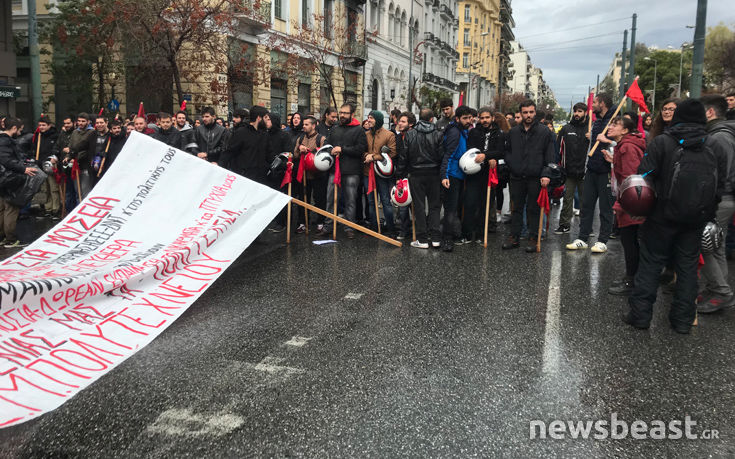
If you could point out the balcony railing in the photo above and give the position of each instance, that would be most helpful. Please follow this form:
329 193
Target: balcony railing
257 13
439 81
444 9
356 50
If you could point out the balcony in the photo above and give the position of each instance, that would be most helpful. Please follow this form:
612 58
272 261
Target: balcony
356 52
439 81
255 17
445 11
428 36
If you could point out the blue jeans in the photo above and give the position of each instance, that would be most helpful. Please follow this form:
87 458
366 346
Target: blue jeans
348 191
384 186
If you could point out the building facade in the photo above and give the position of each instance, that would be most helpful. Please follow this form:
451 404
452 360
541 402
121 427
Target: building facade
9 91
520 63
439 48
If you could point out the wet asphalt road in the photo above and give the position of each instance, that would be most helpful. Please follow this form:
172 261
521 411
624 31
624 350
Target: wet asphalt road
362 349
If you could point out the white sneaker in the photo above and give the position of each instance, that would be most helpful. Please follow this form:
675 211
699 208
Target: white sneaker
576 212
420 245
578 244
436 244
599 247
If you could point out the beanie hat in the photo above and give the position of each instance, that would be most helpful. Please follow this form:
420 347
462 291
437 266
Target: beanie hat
689 111
378 118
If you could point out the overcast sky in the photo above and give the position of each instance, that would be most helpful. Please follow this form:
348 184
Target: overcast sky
571 51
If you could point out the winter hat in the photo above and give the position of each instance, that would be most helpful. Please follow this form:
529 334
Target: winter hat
689 111
378 118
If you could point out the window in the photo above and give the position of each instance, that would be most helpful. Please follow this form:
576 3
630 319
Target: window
305 13
467 13
327 18
466 60
304 98
278 9
467 37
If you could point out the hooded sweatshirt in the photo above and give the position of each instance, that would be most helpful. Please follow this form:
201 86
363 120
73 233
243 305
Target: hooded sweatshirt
377 138
573 146
627 158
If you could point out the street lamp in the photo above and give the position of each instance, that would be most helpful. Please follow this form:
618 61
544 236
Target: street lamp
655 64
681 66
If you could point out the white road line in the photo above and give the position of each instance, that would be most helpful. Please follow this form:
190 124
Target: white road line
271 365
183 422
353 296
552 349
297 341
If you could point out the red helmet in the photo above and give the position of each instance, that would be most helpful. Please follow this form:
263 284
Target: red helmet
400 195
558 192
308 160
637 196
384 168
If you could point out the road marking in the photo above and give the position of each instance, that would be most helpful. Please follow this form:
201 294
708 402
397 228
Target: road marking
353 296
297 341
183 422
552 350
271 365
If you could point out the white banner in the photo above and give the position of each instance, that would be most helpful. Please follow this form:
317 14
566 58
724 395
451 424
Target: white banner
149 239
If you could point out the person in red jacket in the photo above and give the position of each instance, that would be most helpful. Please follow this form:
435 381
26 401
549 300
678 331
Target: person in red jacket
625 158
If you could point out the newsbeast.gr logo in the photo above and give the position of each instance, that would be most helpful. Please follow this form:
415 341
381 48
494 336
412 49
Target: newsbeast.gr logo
617 429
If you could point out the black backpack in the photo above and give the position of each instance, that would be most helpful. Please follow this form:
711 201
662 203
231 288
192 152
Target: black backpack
691 194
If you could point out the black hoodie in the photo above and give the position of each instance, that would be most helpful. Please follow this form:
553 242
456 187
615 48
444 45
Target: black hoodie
246 153
48 144
574 145
490 141
423 152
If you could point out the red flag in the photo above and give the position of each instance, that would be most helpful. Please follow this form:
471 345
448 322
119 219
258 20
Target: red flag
635 94
461 98
590 99
102 110
337 173
300 173
74 169
38 130
543 201
287 176
371 180
492 178
183 106
141 112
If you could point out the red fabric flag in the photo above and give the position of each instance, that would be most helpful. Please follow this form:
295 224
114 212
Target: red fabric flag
141 112
102 110
371 180
543 201
74 169
300 173
183 106
337 172
590 99
492 178
640 125
461 98
35 134
635 94
287 176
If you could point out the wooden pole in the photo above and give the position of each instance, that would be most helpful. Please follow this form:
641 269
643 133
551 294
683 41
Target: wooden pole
288 217
306 211
348 223
38 146
487 214
107 148
617 110
540 229
377 214
334 220
413 221
79 185
62 189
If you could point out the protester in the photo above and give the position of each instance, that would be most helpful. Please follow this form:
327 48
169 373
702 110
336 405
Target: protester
455 145
167 133
625 158
420 162
81 148
44 144
596 190
395 114
686 201
350 143
117 141
529 151
140 125
210 137
101 143
188 144
316 181
488 137
662 119
278 142
730 98
247 150
406 122
647 123
377 138
295 128
447 108
240 119
716 292
13 162
573 145
329 119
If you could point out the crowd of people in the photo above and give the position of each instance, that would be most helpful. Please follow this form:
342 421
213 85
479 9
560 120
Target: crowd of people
522 150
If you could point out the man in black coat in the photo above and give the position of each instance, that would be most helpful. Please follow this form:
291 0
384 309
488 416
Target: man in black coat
350 144
44 142
12 161
210 137
573 146
530 148
167 133
247 150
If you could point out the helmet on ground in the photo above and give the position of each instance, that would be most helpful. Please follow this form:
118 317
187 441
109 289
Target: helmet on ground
400 195
278 166
556 174
308 159
384 167
712 237
467 162
323 159
636 196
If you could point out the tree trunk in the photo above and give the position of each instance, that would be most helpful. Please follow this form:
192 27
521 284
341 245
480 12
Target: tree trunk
177 79
101 82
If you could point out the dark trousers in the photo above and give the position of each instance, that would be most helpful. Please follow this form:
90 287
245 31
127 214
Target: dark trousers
276 185
452 201
475 196
498 195
316 190
631 249
596 187
660 242
573 185
524 196
9 214
423 188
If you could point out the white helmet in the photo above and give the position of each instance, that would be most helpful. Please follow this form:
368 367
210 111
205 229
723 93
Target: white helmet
467 162
323 159
400 195
384 168
712 237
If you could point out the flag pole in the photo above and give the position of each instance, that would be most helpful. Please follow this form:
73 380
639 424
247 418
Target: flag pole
38 145
62 187
413 221
604 131
102 165
487 214
306 211
377 214
334 220
288 216
540 229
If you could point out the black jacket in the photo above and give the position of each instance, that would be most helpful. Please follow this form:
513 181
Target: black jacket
188 143
351 138
117 142
48 144
574 145
246 153
172 137
528 152
211 139
490 141
597 163
62 141
10 156
423 152
278 140
658 162
722 133
323 129
82 146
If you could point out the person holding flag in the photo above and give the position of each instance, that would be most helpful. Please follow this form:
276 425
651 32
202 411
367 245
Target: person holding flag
377 138
82 145
187 132
573 146
43 146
